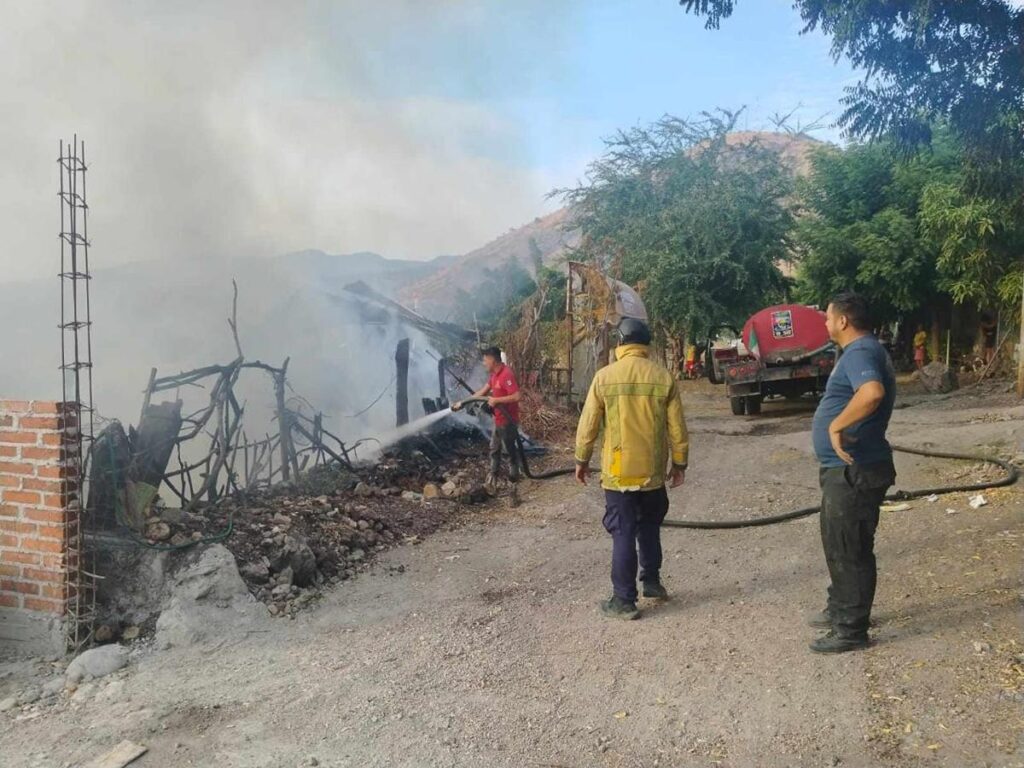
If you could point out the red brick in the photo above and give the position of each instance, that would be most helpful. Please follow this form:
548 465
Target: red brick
10 571
28 558
8 541
40 422
16 468
8 451
41 454
47 407
9 601
6 421
21 497
47 486
10 481
21 587
8 511
42 545
56 562
15 436
14 526
51 532
44 606
53 439
54 473
43 515
15 406
57 592
40 574
55 501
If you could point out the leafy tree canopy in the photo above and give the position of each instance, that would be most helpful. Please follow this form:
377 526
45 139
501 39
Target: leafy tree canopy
697 224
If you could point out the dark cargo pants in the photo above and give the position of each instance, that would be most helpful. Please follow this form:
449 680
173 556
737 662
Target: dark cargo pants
505 437
851 497
634 518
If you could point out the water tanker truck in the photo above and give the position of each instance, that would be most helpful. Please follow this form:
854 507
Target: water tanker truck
783 350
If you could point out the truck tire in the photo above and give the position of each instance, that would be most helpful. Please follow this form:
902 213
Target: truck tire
738 405
753 404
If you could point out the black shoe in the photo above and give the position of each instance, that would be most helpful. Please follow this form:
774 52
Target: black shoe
617 608
833 643
820 620
654 589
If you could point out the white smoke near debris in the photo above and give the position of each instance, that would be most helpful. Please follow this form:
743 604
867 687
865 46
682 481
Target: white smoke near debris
258 128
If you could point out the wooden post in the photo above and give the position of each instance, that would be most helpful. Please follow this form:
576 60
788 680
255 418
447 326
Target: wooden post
442 386
283 422
1020 352
571 331
402 383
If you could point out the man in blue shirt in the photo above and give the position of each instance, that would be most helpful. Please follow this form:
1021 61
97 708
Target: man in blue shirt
856 471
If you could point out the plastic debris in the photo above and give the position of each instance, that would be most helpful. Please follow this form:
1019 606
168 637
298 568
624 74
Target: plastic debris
977 502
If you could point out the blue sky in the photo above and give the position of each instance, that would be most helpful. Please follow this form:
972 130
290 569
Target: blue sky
409 128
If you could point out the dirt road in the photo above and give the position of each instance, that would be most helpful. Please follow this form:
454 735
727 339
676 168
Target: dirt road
482 645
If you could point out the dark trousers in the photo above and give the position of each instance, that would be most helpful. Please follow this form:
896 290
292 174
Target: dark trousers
851 497
505 437
634 518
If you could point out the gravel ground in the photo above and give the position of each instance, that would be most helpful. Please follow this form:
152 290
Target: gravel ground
481 645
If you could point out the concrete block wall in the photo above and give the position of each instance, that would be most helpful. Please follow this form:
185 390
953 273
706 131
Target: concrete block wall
39 502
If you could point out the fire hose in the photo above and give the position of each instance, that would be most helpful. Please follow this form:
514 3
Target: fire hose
1012 474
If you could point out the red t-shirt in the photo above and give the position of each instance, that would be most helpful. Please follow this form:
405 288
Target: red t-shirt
503 383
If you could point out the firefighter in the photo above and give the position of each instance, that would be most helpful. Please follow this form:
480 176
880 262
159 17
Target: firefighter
856 471
637 403
503 396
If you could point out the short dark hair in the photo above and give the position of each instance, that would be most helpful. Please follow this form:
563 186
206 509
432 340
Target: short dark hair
491 352
855 308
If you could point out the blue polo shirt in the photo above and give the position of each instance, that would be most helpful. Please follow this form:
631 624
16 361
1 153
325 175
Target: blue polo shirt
863 360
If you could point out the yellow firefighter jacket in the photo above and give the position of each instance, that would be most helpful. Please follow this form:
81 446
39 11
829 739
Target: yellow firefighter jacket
637 403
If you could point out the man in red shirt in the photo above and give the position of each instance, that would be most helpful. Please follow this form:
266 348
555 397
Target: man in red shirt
502 393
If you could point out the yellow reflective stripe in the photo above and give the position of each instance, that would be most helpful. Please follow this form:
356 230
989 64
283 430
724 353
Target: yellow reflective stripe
635 390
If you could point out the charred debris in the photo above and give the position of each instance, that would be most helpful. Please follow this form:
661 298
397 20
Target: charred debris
299 507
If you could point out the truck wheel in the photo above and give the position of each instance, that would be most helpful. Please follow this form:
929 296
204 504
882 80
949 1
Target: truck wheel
753 404
737 404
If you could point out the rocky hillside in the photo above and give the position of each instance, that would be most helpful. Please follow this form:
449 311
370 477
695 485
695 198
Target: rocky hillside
434 294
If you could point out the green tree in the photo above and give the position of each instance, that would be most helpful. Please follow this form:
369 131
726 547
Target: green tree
926 62
697 224
860 228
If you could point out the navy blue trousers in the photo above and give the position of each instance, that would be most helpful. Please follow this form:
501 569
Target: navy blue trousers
633 518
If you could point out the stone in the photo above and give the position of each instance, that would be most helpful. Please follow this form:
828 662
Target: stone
54 687
173 516
982 647
8 704
286 577
297 555
356 555
158 531
257 572
412 496
180 539
362 489
450 489
937 378
29 696
207 597
131 633
282 520
96 663
364 525
104 633
431 491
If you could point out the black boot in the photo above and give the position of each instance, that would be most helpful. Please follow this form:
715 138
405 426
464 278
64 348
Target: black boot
833 643
820 620
617 608
654 589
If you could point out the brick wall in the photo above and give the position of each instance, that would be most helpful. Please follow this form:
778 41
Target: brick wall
38 515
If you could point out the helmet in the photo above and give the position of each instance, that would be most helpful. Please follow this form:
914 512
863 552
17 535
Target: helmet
634 331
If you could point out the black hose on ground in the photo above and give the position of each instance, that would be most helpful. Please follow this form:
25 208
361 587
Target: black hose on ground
1011 477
